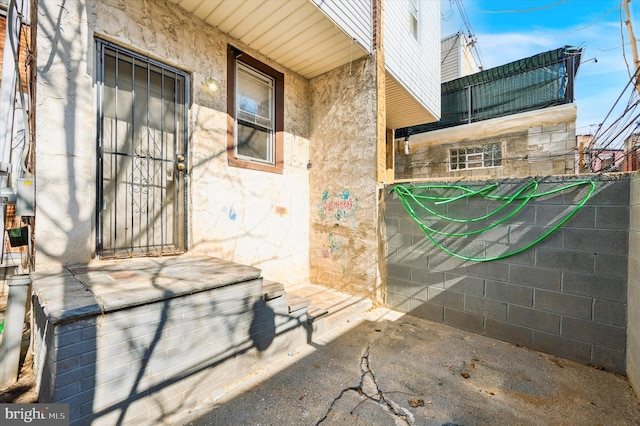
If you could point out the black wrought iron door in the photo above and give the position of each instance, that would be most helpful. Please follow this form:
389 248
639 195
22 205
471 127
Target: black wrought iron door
142 155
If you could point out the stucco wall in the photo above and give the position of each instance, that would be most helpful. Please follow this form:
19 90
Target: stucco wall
249 217
344 196
633 291
536 143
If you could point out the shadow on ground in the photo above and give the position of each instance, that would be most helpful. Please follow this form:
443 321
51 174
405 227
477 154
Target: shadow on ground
390 370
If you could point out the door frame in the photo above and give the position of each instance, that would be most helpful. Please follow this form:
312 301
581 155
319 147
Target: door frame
181 217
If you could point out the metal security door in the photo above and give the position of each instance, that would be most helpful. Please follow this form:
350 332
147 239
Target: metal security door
142 155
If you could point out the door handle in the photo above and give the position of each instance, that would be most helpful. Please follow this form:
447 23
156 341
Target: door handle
180 166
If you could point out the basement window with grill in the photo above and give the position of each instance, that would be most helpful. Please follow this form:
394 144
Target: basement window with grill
255 106
480 157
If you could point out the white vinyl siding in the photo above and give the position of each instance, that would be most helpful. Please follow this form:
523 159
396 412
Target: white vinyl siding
457 58
354 17
414 64
450 58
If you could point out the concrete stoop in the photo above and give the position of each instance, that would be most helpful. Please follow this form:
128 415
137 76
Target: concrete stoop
323 307
305 311
300 313
328 308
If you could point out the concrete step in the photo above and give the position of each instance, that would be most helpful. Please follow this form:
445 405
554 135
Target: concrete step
328 308
272 289
297 303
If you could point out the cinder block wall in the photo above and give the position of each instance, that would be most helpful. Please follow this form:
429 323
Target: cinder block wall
565 296
633 331
144 364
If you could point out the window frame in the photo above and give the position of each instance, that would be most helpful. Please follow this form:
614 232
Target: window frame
466 156
414 19
235 56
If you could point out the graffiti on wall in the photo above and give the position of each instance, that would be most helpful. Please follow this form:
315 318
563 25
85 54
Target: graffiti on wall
230 212
340 208
335 243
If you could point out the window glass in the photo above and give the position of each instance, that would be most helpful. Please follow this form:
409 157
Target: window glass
254 100
485 156
255 104
413 18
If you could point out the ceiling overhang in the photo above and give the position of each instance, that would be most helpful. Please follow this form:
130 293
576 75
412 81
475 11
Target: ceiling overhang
403 109
295 34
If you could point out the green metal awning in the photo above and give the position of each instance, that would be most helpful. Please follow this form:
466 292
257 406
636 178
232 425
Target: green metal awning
536 82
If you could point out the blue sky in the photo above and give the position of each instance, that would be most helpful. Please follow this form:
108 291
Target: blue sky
507 30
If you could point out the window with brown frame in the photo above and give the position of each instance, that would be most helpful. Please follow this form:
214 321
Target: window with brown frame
255 111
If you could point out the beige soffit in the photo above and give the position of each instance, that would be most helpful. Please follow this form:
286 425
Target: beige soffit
403 109
295 34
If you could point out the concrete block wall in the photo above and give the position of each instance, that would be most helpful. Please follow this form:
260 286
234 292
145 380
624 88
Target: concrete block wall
146 363
633 293
566 295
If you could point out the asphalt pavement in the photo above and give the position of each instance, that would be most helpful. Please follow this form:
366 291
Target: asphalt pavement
386 368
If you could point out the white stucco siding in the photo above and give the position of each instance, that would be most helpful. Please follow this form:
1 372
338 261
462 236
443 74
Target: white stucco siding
65 184
414 63
250 217
354 17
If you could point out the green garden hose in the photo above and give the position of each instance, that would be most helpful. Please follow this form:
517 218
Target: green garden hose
406 194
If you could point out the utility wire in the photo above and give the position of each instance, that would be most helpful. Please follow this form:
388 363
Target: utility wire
533 9
451 49
600 18
472 37
617 131
448 14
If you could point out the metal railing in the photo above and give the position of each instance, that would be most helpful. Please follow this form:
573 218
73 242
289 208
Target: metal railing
529 84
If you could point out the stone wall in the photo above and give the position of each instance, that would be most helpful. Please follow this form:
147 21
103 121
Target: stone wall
633 312
536 143
343 190
566 295
249 217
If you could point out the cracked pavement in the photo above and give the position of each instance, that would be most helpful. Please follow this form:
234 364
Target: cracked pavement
389 369
369 390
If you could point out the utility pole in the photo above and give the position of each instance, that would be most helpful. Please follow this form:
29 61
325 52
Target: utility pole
634 47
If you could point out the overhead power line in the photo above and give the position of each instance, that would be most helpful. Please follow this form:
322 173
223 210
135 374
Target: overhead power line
449 13
598 19
472 37
532 9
